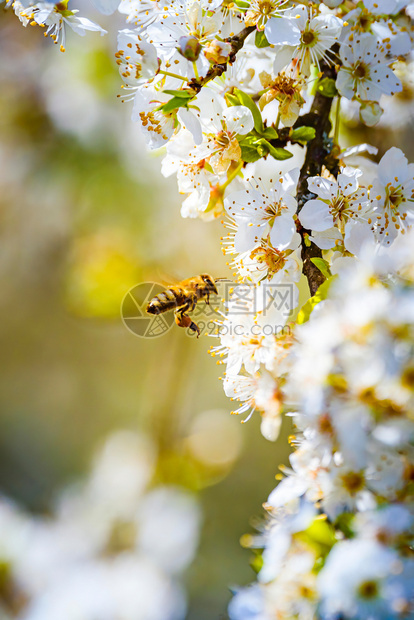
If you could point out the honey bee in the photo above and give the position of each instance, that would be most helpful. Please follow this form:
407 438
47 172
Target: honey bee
183 297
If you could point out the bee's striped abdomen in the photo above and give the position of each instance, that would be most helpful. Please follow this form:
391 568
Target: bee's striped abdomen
167 300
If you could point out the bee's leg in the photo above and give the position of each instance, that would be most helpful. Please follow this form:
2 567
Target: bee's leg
181 317
204 294
183 320
191 304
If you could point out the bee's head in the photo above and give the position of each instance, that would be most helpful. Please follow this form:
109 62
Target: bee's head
209 281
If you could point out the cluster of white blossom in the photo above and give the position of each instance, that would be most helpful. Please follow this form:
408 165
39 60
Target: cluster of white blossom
114 547
338 541
345 217
214 81
239 96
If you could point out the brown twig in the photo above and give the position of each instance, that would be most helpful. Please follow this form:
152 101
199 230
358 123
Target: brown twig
318 151
236 42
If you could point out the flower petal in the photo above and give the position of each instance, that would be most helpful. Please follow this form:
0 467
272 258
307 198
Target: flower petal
282 232
283 31
315 215
239 119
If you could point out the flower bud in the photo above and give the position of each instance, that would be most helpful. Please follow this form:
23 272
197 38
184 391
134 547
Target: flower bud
217 52
190 48
370 112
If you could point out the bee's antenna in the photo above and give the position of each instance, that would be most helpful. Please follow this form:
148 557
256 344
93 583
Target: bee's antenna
222 280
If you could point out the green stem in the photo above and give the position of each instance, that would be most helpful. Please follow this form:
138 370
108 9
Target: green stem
174 75
197 77
337 120
232 176
278 118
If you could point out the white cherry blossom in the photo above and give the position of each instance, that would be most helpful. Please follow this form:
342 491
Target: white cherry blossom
396 40
188 30
393 195
137 59
298 35
143 12
265 262
221 127
157 127
55 18
267 207
365 74
194 177
259 12
340 209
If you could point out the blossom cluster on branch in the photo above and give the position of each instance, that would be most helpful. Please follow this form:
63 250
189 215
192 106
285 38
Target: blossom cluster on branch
244 100
338 541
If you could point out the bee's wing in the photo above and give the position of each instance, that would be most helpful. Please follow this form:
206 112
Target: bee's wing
166 279
163 279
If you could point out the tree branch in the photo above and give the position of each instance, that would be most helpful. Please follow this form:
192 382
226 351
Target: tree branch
318 151
236 43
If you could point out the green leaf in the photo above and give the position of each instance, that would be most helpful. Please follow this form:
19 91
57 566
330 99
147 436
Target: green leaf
252 139
327 87
322 532
181 94
174 104
276 152
262 150
270 133
249 103
249 153
320 537
303 134
320 295
260 39
231 99
242 4
344 523
323 266
279 153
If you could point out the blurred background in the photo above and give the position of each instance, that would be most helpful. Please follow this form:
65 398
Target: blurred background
85 215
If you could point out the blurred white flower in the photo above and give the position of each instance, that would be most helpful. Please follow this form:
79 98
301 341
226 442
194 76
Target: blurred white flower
55 17
106 6
393 195
359 580
112 549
